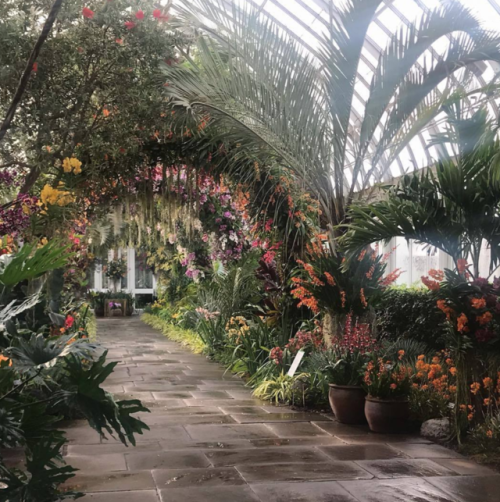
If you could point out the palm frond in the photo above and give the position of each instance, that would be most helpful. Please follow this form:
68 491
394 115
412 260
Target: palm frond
280 104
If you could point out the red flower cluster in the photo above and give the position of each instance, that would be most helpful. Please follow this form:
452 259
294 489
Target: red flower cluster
68 323
88 13
306 339
276 355
357 337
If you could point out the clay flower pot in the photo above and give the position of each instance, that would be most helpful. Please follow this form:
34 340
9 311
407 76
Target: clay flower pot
348 403
387 415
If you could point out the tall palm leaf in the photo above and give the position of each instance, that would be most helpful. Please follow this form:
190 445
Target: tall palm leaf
264 93
455 208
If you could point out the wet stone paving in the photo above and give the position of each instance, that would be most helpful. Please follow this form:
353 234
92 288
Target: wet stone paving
211 441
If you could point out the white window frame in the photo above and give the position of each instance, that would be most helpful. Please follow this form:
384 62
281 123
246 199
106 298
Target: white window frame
130 255
444 260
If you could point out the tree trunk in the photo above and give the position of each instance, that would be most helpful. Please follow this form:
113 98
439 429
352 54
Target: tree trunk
23 82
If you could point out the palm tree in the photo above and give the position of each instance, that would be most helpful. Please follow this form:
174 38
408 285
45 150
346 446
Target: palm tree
454 207
280 104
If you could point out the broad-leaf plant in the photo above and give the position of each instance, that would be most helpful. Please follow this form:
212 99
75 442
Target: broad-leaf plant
44 377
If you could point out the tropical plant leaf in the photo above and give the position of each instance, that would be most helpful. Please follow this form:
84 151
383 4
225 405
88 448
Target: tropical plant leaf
454 207
82 393
44 474
11 311
11 433
31 262
38 352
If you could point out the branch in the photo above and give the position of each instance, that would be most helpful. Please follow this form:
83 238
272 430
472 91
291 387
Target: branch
23 82
21 385
30 179
14 163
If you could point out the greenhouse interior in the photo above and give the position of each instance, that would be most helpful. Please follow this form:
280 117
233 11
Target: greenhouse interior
250 250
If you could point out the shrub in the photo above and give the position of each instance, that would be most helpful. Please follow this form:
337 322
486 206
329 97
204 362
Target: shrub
410 313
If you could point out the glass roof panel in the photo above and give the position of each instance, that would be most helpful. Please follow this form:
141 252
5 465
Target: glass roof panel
306 20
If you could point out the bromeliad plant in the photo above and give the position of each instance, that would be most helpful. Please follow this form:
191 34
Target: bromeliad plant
344 367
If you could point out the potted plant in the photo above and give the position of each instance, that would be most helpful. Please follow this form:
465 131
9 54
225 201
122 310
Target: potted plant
346 363
115 309
388 386
345 375
116 270
98 300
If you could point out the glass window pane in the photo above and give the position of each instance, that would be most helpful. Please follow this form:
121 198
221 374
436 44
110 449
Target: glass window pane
484 260
424 258
143 273
124 280
402 260
105 278
90 276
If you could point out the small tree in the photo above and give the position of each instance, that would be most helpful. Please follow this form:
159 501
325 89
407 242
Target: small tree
93 90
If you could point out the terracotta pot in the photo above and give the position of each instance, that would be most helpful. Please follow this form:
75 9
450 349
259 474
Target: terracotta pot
386 415
348 403
117 313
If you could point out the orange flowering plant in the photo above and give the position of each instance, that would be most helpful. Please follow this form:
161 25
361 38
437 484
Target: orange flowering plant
471 312
487 432
434 386
471 307
385 379
330 282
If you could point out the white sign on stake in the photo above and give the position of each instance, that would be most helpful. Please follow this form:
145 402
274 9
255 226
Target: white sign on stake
296 362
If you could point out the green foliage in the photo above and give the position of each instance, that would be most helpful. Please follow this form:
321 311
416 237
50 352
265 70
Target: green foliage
408 313
283 389
251 349
45 471
213 334
31 262
455 208
341 366
411 348
426 404
253 70
185 337
485 437
233 292
44 378
82 393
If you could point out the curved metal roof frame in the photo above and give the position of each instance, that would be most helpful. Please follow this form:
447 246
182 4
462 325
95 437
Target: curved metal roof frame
305 20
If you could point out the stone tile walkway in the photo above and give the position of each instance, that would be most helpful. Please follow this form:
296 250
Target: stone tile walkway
210 441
